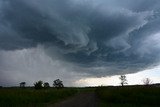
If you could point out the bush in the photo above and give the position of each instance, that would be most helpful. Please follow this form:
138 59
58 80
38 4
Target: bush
46 85
38 85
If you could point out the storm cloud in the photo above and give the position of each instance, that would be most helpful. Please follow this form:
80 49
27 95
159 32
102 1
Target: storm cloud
72 39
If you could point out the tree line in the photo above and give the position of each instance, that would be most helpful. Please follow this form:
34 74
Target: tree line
40 84
59 84
123 80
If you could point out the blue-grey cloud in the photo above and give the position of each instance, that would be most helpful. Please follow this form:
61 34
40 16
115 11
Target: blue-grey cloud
97 38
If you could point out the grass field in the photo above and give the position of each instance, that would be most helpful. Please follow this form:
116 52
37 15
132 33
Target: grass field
135 96
129 96
29 97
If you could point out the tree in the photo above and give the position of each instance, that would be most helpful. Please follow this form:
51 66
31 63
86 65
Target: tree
46 85
22 84
123 80
147 81
58 83
38 85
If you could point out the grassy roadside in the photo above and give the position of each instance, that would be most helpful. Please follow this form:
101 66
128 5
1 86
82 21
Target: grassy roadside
29 97
138 96
131 96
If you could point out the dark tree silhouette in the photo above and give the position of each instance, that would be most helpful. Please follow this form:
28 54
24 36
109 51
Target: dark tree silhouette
38 85
147 81
123 80
46 85
22 84
58 83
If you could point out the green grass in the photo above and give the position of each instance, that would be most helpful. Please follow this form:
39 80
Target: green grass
29 97
131 96
135 96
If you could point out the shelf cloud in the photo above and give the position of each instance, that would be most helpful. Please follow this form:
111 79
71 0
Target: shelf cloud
73 39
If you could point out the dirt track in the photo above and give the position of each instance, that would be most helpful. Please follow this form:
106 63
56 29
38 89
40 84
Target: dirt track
86 99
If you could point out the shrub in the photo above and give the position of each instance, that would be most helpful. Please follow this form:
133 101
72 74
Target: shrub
38 85
46 85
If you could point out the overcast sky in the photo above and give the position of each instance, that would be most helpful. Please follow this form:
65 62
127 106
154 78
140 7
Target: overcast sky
78 41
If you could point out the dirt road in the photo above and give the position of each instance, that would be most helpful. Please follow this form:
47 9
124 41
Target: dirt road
85 99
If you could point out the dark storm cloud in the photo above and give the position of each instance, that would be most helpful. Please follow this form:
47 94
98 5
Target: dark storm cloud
105 37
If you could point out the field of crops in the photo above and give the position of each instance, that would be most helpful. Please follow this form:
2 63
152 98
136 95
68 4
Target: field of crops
135 96
29 97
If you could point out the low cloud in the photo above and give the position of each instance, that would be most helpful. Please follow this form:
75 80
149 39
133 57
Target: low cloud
76 39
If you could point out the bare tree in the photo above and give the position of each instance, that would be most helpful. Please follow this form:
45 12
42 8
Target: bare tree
123 80
147 81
